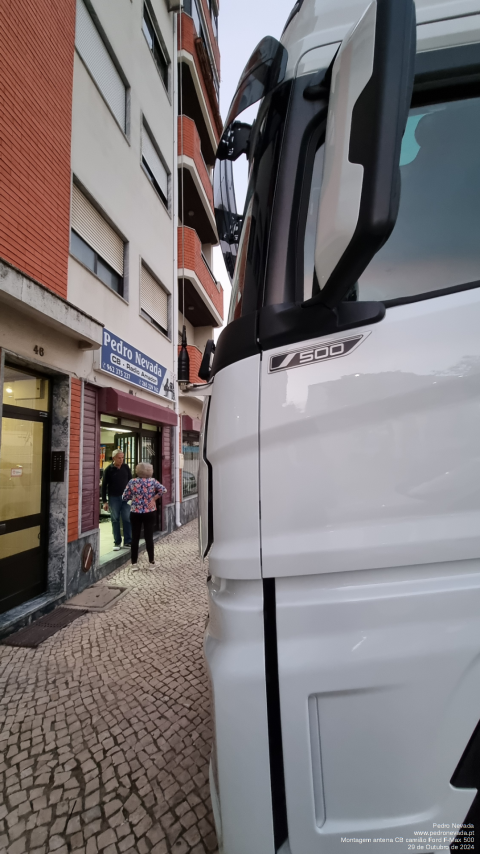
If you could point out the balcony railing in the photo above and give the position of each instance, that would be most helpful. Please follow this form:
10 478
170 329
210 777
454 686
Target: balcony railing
191 258
189 140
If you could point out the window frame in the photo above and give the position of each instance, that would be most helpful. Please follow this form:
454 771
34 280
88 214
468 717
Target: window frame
144 314
94 270
189 435
166 202
148 15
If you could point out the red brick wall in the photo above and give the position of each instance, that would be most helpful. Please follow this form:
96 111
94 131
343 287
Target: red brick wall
191 259
90 462
74 459
189 139
186 41
37 40
196 357
167 467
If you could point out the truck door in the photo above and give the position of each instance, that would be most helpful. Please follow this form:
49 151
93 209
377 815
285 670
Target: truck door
370 500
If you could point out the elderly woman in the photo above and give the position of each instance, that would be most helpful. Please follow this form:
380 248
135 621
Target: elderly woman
143 491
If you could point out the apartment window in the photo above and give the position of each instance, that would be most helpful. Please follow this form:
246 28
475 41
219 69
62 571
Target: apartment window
191 7
153 165
153 300
156 48
95 244
197 20
93 50
214 18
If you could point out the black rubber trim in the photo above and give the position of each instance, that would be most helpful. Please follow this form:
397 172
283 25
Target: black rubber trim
442 292
298 5
467 776
449 61
237 341
277 775
289 324
210 483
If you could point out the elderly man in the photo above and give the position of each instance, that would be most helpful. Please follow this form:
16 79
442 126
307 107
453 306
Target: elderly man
115 479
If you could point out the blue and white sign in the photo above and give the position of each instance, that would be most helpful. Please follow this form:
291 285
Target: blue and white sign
124 361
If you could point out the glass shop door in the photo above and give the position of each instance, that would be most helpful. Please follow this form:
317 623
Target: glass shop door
24 487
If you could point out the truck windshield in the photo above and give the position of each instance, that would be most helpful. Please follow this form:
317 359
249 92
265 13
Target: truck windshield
436 240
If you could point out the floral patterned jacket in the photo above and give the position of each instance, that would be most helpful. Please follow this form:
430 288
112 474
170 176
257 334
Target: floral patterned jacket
141 491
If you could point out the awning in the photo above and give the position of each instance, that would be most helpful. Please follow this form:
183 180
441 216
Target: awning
189 423
113 402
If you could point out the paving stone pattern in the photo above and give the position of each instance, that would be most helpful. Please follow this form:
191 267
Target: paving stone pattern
105 728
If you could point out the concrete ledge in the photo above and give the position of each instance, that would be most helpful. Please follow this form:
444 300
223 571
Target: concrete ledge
37 301
183 272
186 162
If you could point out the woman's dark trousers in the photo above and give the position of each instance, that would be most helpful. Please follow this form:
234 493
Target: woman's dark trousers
148 520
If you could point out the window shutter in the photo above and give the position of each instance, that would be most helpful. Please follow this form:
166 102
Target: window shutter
154 163
96 57
95 231
153 299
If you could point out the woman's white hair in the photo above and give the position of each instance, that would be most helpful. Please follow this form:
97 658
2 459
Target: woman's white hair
144 470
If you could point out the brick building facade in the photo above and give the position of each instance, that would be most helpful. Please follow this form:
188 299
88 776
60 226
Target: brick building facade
89 292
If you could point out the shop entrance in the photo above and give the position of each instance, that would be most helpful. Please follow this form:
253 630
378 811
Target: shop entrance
140 442
24 487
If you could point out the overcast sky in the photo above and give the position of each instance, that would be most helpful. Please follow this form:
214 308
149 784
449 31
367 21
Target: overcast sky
241 25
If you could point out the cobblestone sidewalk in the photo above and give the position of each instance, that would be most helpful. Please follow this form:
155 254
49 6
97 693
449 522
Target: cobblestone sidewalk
105 729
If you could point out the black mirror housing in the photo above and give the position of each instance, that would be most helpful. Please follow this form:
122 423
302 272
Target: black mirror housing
234 142
360 193
207 359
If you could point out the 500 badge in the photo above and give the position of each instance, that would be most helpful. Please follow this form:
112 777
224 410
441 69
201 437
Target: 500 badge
310 355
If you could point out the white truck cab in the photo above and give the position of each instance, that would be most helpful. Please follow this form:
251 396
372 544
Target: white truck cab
340 471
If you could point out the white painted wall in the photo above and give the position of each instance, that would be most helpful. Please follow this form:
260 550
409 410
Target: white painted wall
108 165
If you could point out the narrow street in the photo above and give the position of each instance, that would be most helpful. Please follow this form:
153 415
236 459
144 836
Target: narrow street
105 728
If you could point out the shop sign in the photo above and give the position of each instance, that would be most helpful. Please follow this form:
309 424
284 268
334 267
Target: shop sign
124 361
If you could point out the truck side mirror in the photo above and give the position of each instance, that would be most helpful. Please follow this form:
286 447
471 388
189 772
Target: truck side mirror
206 365
234 142
371 89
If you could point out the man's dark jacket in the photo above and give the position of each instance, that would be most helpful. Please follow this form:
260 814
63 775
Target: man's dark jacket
115 480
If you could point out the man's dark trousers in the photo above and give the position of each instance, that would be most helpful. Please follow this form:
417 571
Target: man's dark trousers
119 509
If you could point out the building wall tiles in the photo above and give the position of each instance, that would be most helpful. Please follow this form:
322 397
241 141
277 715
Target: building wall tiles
167 465
90 461
190 258
189 145
195 356
186 41
36 70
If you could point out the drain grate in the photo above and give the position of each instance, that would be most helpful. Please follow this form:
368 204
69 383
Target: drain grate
97 598
32 636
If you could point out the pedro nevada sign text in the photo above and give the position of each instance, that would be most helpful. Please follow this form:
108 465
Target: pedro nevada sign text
124 361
